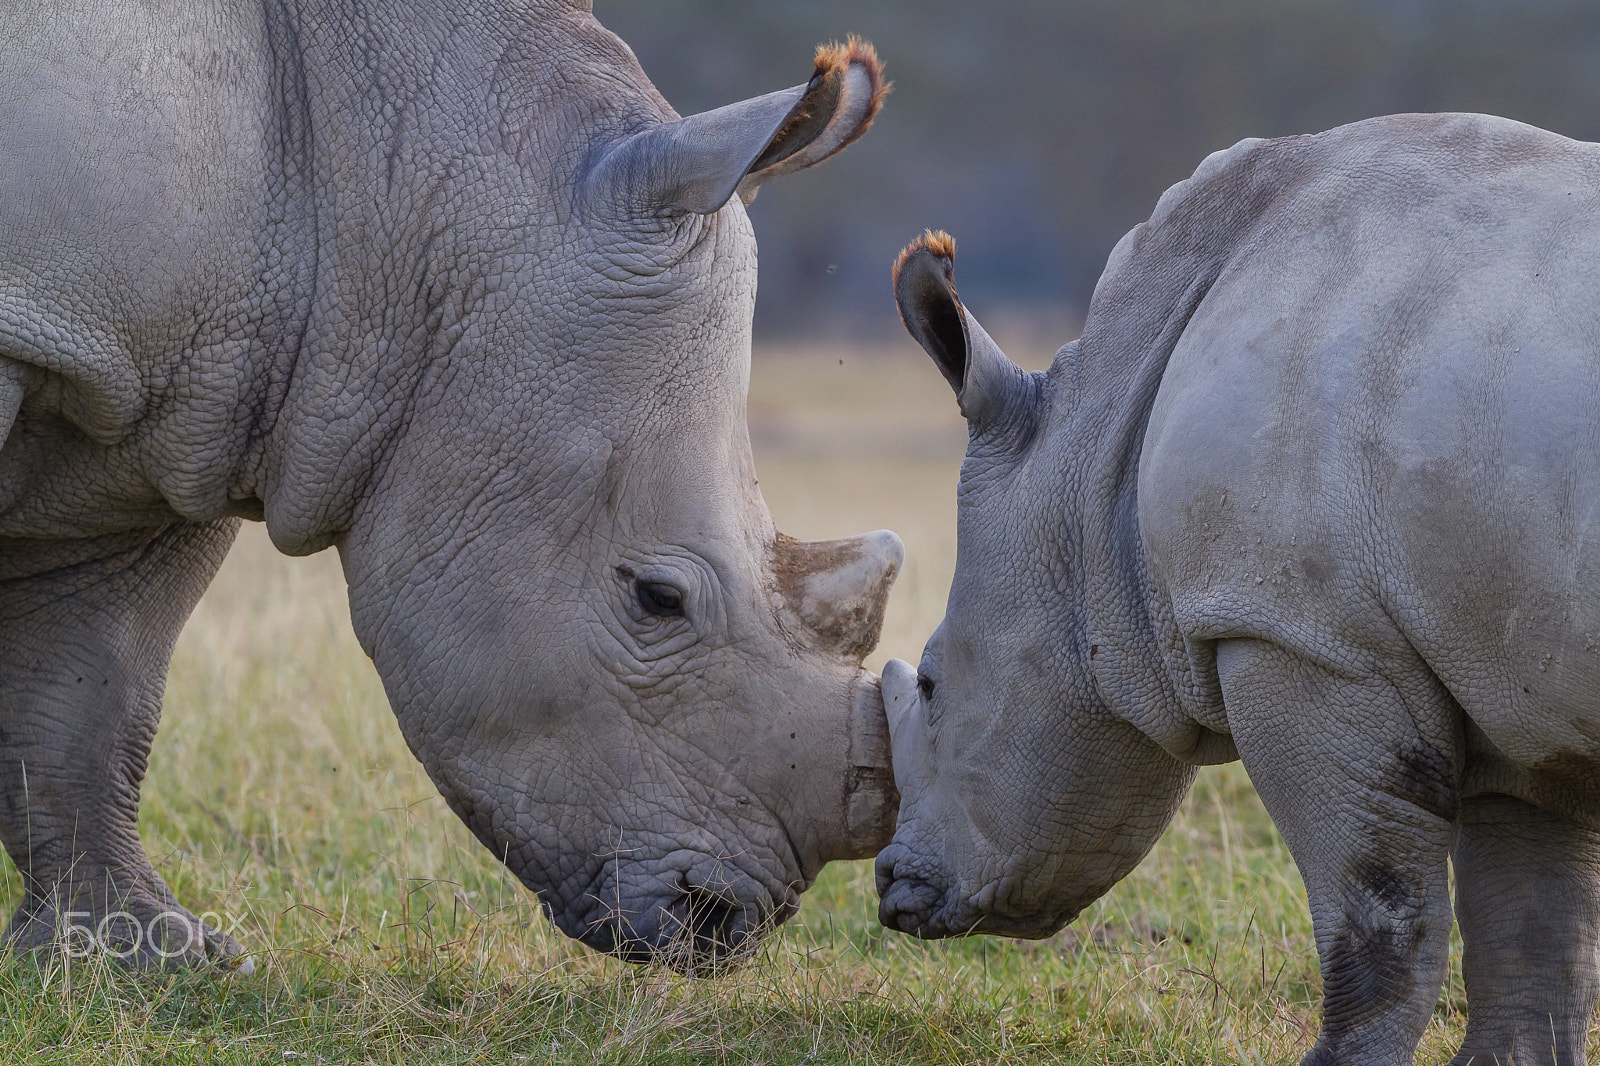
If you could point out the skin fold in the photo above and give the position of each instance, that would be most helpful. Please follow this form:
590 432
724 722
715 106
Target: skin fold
451 289
1317 488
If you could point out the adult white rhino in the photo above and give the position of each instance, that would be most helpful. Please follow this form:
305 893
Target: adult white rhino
1317 488
450 287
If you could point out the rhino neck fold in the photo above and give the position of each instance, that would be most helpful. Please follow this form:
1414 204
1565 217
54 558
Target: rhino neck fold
392 130
353 213
1129 630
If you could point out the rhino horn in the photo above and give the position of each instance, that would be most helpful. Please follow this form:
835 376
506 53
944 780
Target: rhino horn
694 165
839 588
988 385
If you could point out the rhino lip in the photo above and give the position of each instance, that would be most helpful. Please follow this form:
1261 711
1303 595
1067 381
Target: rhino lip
914 904
706 932
695 929
698 933
907 902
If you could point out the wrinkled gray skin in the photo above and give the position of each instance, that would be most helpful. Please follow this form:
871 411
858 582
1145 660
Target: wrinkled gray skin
1318 488
447 287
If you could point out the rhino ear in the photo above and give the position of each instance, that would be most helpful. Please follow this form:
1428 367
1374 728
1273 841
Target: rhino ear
694 165
986 382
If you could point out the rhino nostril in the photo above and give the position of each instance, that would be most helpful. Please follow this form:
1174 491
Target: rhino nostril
883 868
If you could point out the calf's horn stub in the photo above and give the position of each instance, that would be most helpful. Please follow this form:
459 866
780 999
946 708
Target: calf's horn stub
987 383
694 165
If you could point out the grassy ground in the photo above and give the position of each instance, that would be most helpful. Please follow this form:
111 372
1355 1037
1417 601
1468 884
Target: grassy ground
282 798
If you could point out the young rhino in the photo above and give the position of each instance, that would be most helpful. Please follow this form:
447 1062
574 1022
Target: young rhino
1318 488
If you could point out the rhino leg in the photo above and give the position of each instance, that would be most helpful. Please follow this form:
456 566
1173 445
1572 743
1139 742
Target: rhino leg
1366 803
86 633
1528 900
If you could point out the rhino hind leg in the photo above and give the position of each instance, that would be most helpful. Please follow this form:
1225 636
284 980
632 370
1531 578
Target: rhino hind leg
1528 902
86 633
1366 803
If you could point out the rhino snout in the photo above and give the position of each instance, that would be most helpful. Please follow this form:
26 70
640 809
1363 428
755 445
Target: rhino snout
920 897
906 717
699 922
911 895
907 900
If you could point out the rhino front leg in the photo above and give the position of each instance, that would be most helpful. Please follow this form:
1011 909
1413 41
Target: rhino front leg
86 633
1528 900
1365 800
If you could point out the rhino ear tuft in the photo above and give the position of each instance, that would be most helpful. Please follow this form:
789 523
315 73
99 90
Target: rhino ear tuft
694 165
986 382
842 98
925 292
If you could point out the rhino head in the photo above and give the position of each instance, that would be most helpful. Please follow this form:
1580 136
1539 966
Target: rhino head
637 693
1024 797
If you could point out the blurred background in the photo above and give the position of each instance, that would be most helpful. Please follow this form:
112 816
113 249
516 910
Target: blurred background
1039 131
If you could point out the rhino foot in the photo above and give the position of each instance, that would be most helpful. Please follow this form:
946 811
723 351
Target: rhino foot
143 927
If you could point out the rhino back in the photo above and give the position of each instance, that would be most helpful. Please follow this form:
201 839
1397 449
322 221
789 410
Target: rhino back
1380 431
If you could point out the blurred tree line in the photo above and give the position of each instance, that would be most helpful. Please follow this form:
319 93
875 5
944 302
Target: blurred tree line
1039 131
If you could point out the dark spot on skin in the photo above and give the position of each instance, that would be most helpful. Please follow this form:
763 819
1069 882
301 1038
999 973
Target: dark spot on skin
1567 784
1572 773
1385 886
1370 966
1587 730
1423 775
791 736
1318 569
1094 650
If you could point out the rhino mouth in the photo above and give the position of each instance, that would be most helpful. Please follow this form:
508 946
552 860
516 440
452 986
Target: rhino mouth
699 929
912 900
707 932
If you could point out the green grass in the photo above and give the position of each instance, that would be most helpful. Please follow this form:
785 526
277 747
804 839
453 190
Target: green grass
282 796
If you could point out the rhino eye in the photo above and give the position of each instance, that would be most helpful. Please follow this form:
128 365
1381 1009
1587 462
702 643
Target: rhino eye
925 685
659 599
